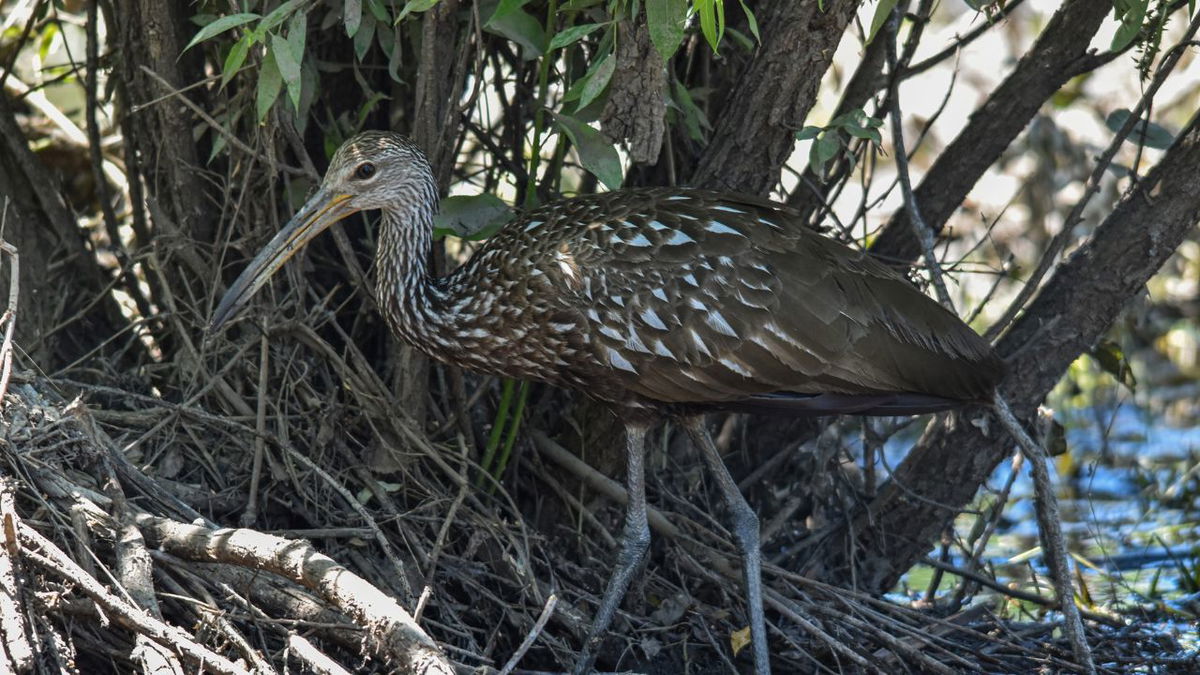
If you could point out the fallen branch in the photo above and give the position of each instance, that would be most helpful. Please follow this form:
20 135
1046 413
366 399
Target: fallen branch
17 652
42 552
390 627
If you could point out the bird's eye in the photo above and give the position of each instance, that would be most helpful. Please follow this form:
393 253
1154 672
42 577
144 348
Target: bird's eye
364 171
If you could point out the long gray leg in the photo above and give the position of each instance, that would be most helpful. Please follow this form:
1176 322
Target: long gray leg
745 529
635 540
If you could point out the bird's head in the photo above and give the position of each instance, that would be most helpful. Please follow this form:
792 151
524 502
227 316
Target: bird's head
373 170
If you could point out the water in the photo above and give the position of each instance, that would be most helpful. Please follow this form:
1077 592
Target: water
1129 489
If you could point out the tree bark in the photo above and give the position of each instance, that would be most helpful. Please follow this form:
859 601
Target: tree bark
1073 310
755 131
437 123
152 34
54 255
636 108
1060 53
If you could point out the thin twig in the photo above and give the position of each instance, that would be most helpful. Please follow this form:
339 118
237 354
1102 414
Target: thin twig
920 229
250 515
1050 526
9 319
538 627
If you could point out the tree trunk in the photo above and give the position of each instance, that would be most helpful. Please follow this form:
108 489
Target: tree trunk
755 131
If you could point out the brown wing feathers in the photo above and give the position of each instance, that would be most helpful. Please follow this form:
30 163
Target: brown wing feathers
691 297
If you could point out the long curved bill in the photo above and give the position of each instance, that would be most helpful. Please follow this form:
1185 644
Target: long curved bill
324 209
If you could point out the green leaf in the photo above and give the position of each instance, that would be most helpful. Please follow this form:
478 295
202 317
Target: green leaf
1113 361
824 149
378 11
1131 24
220 26
808 133
47 41
368 106
471 217
712 20
297 34
505 8
309 81
827 146
352 16
577 87
573 34
269 83
598 81
364 37
289 67
415 6
1144 133
693 117
295 41
520 27
276 17
883 12
596 153
666 20
576 5
865 132
235 58
751 21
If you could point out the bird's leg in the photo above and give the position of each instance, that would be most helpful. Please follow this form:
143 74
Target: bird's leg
635 540
745 529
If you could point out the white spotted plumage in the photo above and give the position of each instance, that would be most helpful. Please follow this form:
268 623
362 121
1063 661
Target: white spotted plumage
664 296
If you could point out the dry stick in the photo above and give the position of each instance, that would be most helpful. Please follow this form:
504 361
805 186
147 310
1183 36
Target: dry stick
1016 593
538 626
1059 242
17 654
600 483
250 515
9 319
205 607
389 626
124 468
55 561
924 234
1050 526
314 658
990 528
134 572
229 137
440 542
1049 519
784 607
384 543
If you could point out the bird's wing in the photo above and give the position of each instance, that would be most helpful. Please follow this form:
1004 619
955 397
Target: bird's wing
694 297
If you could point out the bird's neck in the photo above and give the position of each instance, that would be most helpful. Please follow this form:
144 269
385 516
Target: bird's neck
411 300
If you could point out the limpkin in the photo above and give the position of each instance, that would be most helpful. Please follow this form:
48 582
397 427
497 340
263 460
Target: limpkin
661 303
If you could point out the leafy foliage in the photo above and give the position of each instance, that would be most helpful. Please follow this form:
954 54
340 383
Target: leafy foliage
828 142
